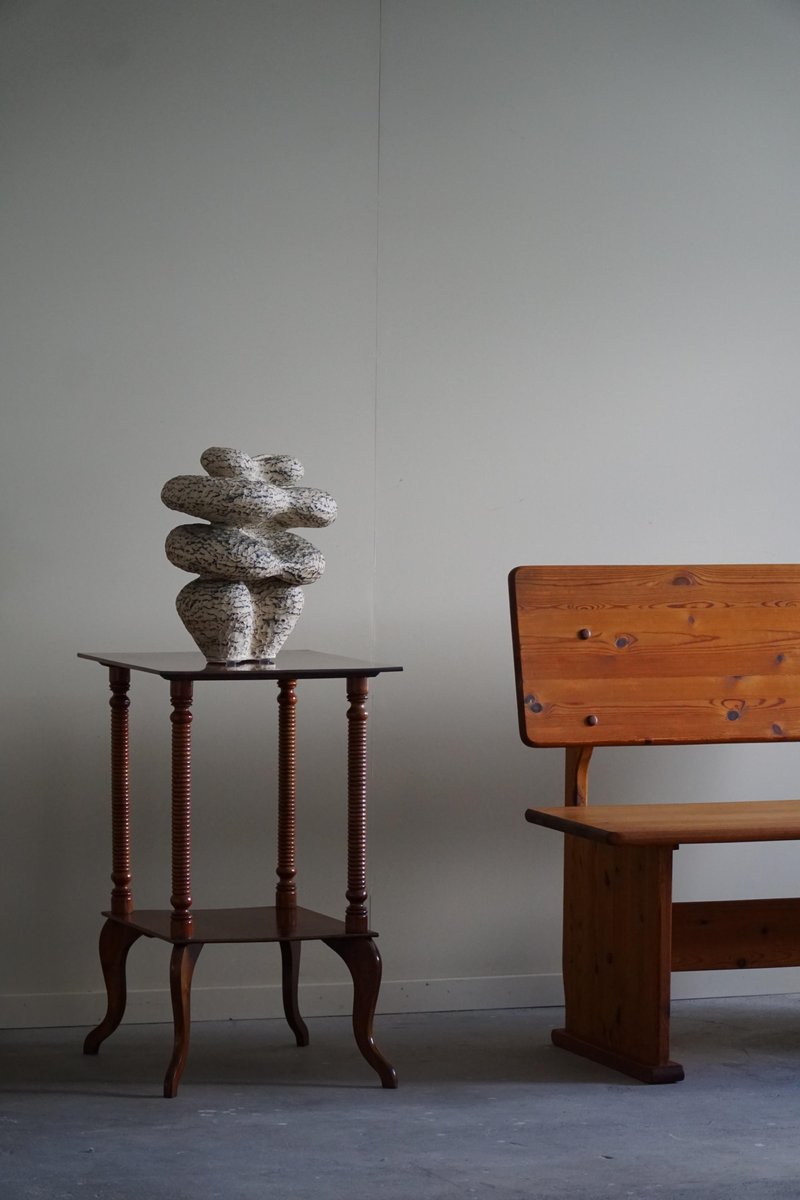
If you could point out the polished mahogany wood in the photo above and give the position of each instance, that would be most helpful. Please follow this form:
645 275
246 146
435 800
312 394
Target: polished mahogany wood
356 917
258 924
116 939
181 970
286 888
187 664
181 718
290 974
188 929
645 655
362 959
121 895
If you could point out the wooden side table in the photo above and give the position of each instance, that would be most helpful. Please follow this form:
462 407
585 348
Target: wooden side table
188 929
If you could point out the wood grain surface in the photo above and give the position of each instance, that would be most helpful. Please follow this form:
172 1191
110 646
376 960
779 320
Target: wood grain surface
657 654
672 824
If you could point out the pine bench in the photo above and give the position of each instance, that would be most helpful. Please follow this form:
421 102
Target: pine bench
655 656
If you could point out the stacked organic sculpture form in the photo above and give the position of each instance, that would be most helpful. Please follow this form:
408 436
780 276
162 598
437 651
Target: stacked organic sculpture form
248 597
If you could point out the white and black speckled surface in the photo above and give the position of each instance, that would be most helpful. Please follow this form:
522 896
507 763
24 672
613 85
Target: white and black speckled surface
247 598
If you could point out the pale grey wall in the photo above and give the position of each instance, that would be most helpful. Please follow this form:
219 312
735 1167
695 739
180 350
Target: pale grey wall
189 250
549 314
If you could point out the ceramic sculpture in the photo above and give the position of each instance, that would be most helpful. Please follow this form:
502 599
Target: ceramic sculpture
251 569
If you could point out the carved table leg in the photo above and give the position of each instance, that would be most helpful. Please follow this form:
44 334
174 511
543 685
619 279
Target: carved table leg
181 718
115 942
286 889
363 961
121 896
290 961
181 969
356 918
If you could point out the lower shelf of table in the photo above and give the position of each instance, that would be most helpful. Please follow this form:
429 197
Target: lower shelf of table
238 925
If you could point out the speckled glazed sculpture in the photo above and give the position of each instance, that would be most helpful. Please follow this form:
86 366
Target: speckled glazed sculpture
248 596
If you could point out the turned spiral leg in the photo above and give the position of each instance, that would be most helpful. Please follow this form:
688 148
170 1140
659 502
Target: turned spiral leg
121 896
286 889
181 718
356 914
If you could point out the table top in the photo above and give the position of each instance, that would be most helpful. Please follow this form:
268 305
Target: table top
189 664
671 824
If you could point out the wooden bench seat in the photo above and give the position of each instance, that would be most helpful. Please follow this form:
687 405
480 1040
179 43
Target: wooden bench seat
676 824
640 656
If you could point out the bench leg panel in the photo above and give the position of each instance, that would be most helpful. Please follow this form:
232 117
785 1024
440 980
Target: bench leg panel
617 957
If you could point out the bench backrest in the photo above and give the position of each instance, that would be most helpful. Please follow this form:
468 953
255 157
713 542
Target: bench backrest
654 655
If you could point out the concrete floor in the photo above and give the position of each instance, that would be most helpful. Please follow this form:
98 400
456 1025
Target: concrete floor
486 1107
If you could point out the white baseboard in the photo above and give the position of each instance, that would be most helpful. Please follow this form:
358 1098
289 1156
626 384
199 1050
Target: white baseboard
316 1000
47 1010
757 981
